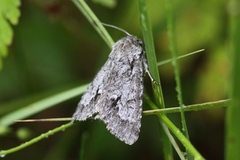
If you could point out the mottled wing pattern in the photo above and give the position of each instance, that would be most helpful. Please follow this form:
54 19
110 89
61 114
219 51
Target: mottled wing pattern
115 94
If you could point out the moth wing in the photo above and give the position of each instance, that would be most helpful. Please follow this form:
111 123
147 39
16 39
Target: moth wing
121 106
87 105
115 95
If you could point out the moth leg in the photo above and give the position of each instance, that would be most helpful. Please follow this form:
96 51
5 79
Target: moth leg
148 72
150 76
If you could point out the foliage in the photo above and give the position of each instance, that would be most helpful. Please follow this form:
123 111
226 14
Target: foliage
55 51
9 13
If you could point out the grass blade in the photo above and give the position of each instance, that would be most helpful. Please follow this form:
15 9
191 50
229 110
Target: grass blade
35 140
92 18
41 105
152 63
232 116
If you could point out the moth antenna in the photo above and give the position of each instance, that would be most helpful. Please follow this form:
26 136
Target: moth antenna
115 27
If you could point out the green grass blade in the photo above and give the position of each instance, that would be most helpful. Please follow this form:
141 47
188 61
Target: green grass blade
181 137
188 108
173 50
233 111
179 57
92 18
83 145
41 105
35 140
152 63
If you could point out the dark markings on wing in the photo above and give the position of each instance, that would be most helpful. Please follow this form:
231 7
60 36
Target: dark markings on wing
115 94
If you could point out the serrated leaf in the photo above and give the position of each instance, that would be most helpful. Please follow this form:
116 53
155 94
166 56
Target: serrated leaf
9 13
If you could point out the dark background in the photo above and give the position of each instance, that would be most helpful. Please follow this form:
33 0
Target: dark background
55 48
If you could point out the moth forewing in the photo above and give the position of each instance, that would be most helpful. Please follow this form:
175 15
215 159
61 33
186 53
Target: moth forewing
115 94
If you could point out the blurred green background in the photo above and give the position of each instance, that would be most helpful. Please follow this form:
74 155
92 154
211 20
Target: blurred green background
55 48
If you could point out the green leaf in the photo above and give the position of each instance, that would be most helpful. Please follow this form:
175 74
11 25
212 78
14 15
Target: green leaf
9 13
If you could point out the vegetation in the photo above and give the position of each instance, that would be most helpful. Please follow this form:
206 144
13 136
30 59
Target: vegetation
56 47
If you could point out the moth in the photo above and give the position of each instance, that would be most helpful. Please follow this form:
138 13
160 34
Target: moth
115 94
